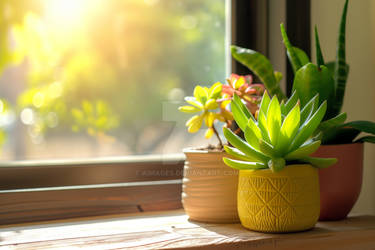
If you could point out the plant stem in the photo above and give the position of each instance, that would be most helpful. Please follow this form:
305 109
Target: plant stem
218 137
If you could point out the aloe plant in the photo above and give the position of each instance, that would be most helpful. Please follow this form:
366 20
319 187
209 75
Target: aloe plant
282 134
329 80
338 69
326 78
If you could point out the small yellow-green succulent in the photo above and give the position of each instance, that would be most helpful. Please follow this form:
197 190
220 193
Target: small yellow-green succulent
205 104
283 134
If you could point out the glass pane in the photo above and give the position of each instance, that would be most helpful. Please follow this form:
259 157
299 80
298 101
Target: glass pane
93 78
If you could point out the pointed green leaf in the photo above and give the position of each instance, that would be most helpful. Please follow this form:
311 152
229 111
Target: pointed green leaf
339 135
320 162
238 154
239 116
319 55
304 151
251 138
289 129
262 124
265 103
243 107
335 121
302 56
370 139
274 120
292 101
293 58
240 112
267 149
341 70
244 146
331 67
283 108
253 126
243 165
308 128
363 126
310 108
318 136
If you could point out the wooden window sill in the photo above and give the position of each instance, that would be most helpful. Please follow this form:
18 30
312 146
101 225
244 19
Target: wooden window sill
173 230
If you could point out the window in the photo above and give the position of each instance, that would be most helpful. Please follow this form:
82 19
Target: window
92 78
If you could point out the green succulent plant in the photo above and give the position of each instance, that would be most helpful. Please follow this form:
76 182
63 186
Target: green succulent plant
282 134
327 79
211 104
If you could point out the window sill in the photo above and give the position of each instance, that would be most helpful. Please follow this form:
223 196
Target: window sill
50 190
161 230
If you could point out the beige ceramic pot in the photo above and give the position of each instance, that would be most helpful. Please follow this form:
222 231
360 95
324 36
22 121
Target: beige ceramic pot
209 190
341 183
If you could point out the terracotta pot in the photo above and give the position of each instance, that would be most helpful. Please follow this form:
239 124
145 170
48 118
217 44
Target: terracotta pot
209 190
341 183
285 201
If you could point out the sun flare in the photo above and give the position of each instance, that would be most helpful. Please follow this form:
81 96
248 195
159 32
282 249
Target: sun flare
69 13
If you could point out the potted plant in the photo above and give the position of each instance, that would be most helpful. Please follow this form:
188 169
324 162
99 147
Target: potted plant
210 187
278 188
341 184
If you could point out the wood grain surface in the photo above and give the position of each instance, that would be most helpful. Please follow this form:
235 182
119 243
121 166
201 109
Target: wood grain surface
57 173
173 230
59 189
17 206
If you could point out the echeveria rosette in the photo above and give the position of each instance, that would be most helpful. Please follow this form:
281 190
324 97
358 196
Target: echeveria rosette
205 104
244 87
283 134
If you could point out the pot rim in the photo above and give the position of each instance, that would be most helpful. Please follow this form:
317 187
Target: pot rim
268 169
342 144
191 150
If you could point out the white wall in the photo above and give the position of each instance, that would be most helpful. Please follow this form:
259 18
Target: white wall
359 100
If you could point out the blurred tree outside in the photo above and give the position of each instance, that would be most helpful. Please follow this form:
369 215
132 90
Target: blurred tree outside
100 70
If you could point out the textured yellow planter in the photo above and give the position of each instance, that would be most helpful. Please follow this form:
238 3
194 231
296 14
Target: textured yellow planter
209 189
286 201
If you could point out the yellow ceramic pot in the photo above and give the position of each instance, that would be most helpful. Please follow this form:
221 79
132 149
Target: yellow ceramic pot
286 201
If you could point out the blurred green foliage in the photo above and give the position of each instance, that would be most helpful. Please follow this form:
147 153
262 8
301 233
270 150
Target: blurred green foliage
96 118
110 72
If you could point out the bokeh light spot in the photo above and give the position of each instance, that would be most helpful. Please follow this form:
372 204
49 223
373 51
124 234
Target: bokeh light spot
27 116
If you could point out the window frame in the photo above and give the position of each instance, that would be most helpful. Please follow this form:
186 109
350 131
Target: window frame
48 190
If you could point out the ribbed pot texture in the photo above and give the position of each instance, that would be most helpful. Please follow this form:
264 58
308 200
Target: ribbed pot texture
285 201
341 183
209 190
